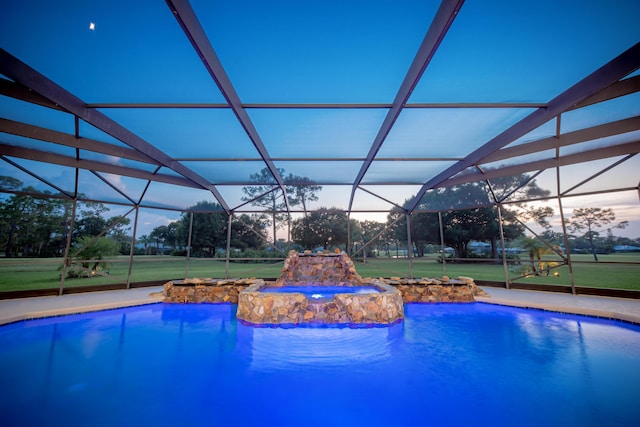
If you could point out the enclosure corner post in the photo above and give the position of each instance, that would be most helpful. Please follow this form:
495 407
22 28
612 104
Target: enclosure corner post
226 266
409 245
132 250
444 259
186 271
504 252
67 248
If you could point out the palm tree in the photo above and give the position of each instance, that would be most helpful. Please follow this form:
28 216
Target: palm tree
144 239
536 250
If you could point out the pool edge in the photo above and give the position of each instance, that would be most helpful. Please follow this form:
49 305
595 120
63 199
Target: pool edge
58 312
30 315
590 312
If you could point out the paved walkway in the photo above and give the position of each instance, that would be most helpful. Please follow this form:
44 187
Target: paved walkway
14 310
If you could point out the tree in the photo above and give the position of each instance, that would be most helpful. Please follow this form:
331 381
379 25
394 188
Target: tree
590 219
299 191
172 238
92 255
165 235
304 191
516 187
146 241
32 226
273 201
325 227
10 183
159 235
208 230
248 232
396 228
536 249
461 224
368 231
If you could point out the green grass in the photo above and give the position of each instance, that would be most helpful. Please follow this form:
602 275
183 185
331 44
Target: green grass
26 274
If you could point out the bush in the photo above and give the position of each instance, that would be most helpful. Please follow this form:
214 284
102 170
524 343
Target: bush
91 258
251 253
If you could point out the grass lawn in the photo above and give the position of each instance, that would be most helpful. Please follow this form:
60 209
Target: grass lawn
25 274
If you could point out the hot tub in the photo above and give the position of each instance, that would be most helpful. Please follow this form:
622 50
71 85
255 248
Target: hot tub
320 289
323 292
368 304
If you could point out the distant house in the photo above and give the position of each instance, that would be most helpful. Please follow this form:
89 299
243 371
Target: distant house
479 247
484 247
626 248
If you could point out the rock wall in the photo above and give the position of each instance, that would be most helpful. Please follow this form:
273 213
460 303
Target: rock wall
318 269
443 289
424 290
206 290
269 308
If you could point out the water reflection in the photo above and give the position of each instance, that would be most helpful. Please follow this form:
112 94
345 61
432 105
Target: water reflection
135 363
292 348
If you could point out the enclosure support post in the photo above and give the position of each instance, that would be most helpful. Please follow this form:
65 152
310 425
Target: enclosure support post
564 234
186 272
348 250
409 245
504 252
133 244
562 220
444 260
65 262
226 266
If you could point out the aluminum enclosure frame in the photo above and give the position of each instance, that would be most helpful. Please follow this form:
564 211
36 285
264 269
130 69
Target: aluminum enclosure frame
31 86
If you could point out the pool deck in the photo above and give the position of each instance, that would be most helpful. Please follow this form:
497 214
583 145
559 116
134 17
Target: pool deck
15 310
625 309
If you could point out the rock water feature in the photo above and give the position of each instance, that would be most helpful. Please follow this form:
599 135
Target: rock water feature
331 292
321 288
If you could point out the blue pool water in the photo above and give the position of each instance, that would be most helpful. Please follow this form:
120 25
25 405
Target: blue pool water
446 364
321 292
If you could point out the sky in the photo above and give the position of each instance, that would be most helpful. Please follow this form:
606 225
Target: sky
315 51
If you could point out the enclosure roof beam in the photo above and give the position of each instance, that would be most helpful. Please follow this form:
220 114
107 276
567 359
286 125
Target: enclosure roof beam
62 160
570 159
36 176
18 91
65 139
600 79
311 106
186 17
441 23
21 73
589 134
68 140
380 197
620 88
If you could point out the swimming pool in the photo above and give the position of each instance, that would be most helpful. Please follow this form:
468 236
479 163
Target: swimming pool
453 364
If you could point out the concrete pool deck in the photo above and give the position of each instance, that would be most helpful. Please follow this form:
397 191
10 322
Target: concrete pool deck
625 309
15 310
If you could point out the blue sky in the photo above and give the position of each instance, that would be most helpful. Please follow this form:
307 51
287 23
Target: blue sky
316 52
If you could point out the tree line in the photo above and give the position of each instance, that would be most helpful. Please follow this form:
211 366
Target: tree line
33 226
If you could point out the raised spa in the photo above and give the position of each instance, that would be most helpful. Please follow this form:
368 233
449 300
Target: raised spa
320 289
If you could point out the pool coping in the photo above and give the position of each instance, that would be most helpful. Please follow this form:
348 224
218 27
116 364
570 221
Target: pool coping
12 311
